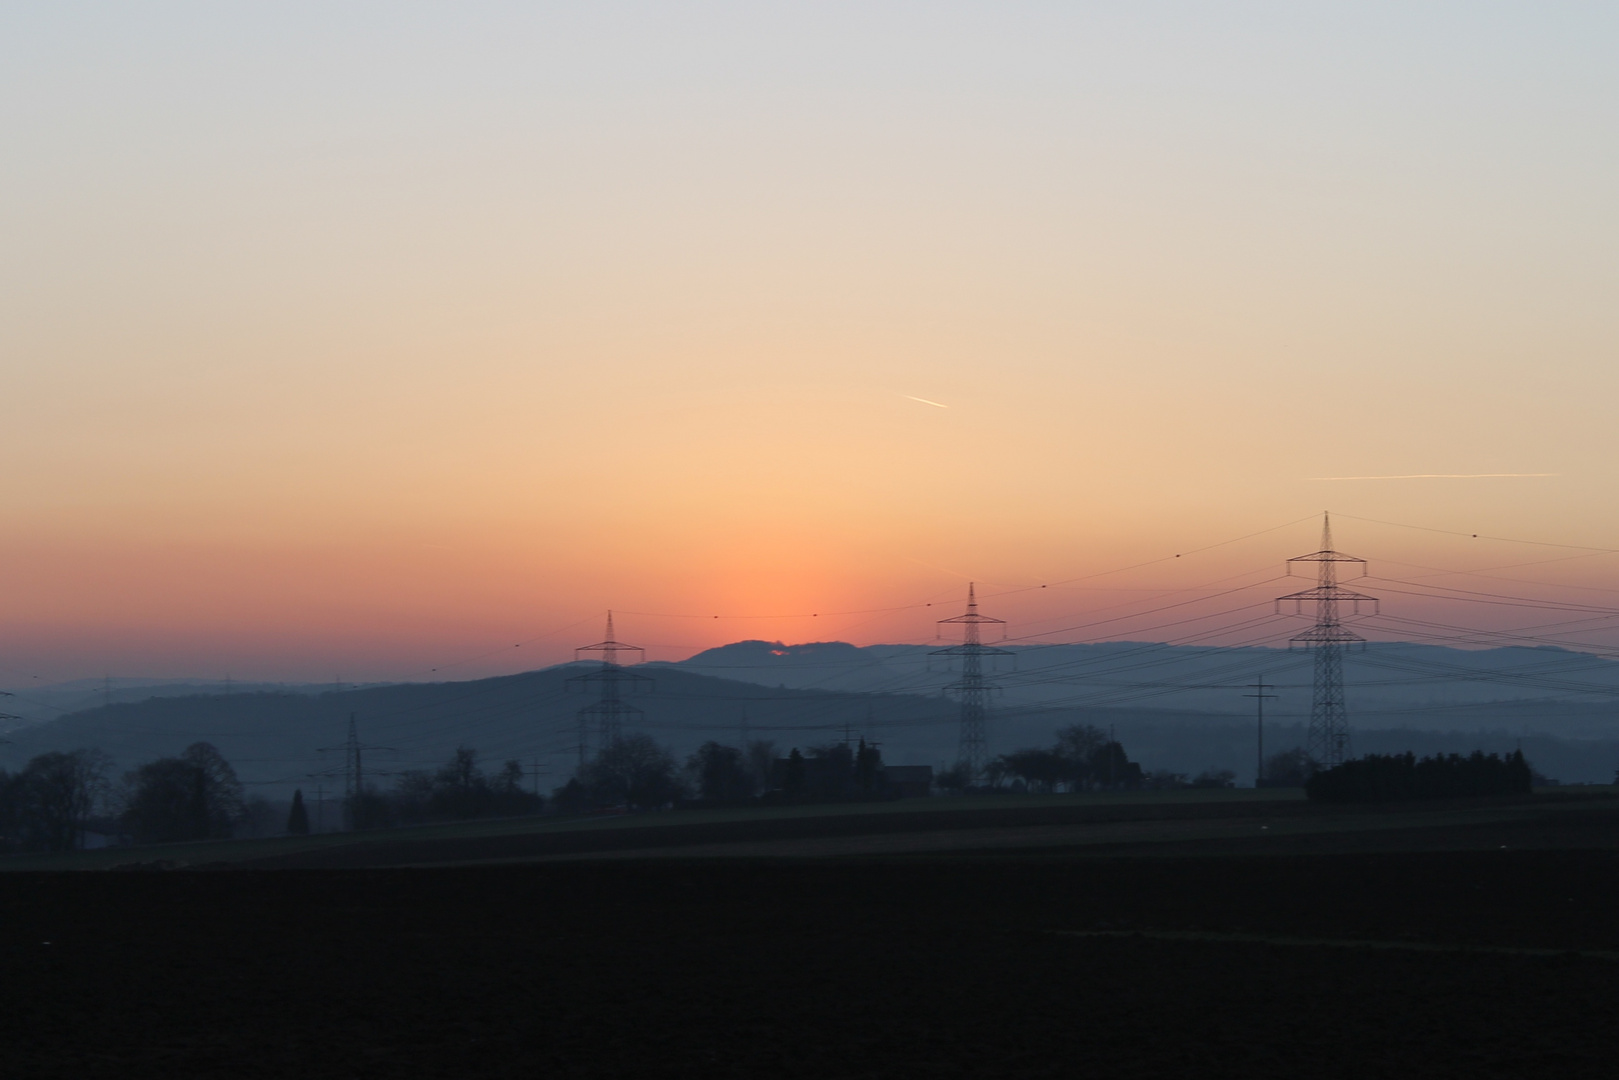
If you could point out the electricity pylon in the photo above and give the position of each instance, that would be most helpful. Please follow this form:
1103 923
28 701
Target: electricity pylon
972 688
609 711
1328 743
353 769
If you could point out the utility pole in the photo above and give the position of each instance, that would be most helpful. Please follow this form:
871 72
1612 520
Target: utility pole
320 806
609 711
536 764
971 688
1259 697
1328 743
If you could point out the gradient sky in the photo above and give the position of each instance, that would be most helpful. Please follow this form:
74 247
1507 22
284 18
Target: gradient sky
373 338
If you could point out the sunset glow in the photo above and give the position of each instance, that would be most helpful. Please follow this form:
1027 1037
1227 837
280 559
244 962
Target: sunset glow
373 343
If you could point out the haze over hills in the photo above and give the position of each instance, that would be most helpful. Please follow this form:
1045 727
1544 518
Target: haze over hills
36 703
1175 708
273 738
1421 683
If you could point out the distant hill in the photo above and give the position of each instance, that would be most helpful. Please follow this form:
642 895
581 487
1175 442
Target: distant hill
274 737
36 703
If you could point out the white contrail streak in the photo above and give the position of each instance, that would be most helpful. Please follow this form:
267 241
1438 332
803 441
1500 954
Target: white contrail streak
1443 476
925 401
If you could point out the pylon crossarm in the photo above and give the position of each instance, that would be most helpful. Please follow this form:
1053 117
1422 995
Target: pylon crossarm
1333 594
1327 556
972 650
609 646
1326 635
599 708
636 682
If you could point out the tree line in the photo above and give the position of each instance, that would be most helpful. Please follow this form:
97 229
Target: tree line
458 790
1084 758
59 798
54 800
1398 777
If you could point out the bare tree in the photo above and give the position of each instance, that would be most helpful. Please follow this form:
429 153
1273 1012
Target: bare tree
633 771
195 796
54 795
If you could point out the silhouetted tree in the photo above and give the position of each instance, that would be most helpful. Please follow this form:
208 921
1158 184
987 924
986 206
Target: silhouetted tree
1077 746
8 812
195 796
298 817
511 798
53 796
795 776
1112 770
1386 777
761 762
411 800
510 778
829 772
460 789
1290 768
720 773
632 771
868 764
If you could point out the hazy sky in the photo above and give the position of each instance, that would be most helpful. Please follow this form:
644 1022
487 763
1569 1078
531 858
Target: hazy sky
366 338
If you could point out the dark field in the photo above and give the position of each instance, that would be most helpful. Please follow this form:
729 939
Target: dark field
1204 959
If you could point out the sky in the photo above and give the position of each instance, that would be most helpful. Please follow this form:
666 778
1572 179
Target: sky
403 340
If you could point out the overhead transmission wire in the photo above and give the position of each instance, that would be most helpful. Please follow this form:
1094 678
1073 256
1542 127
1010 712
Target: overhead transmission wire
1488 573
1594 653
1481 536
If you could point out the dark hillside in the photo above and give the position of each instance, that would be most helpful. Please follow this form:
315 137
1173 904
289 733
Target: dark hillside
273 738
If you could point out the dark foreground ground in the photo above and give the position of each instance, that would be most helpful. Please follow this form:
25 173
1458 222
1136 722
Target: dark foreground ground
893 967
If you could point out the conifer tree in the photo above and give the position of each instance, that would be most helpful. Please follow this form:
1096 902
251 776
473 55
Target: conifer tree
298 819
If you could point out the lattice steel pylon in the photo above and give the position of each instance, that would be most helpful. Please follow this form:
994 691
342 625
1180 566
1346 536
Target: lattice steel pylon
610 710
353 771
973 690
1328 742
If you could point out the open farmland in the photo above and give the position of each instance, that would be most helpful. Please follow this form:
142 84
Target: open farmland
1252 934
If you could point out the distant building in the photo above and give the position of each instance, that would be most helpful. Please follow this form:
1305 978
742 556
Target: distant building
909 781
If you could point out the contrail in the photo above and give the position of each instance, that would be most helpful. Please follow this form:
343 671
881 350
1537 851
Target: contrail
1443 476
925 401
